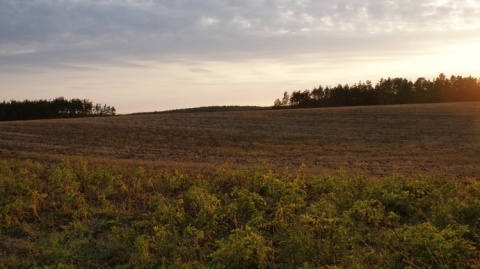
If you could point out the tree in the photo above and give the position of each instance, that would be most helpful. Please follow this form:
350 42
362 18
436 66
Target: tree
56 108
387 91
277 103
403 91
300 99
286 99
441 88
318 93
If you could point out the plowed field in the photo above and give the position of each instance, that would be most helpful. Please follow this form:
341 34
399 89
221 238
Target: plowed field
428 139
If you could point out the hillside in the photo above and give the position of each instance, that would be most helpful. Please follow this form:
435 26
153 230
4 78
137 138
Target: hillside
440 139
208 109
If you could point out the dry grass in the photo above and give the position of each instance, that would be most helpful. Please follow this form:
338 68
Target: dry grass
430 139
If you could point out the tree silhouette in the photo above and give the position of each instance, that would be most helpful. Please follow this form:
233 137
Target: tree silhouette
387 91
48 109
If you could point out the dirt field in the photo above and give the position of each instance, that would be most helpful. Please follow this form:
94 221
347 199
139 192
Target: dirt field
431 139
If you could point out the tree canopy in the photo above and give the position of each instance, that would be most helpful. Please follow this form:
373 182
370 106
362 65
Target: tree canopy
49 109
386 91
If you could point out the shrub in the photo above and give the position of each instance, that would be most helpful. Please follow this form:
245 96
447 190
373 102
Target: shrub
423 245
244 248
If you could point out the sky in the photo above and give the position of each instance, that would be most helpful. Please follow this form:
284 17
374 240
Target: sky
153 55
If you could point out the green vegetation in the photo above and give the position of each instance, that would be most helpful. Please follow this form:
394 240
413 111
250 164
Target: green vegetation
386 92
52 109
78 215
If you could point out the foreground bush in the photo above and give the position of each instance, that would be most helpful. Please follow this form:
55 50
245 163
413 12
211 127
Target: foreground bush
83 216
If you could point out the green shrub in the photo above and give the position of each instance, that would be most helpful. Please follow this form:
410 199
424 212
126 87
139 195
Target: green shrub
244 248
423 245
78 215
247 208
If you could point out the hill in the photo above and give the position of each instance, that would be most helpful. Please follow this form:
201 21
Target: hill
207 109
441 139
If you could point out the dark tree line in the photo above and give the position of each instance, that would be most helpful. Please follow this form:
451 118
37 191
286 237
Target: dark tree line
50 109
216 109
386 91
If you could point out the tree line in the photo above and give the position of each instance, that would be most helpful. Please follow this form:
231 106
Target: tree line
216 109
51 109
385 92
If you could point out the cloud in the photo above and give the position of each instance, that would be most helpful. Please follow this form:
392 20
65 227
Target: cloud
62 32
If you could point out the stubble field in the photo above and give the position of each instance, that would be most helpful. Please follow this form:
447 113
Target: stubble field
425 139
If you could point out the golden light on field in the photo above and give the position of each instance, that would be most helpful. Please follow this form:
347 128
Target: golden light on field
431 139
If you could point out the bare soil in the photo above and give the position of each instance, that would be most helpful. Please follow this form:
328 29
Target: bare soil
424 139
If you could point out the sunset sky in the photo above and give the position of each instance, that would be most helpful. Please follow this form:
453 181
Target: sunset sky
147 55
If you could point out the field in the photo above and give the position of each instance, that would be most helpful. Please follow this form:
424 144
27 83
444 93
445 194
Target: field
363 187
431 139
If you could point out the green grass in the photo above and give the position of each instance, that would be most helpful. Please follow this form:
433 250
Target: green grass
81 215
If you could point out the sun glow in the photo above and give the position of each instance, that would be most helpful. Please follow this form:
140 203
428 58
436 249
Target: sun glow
464 57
